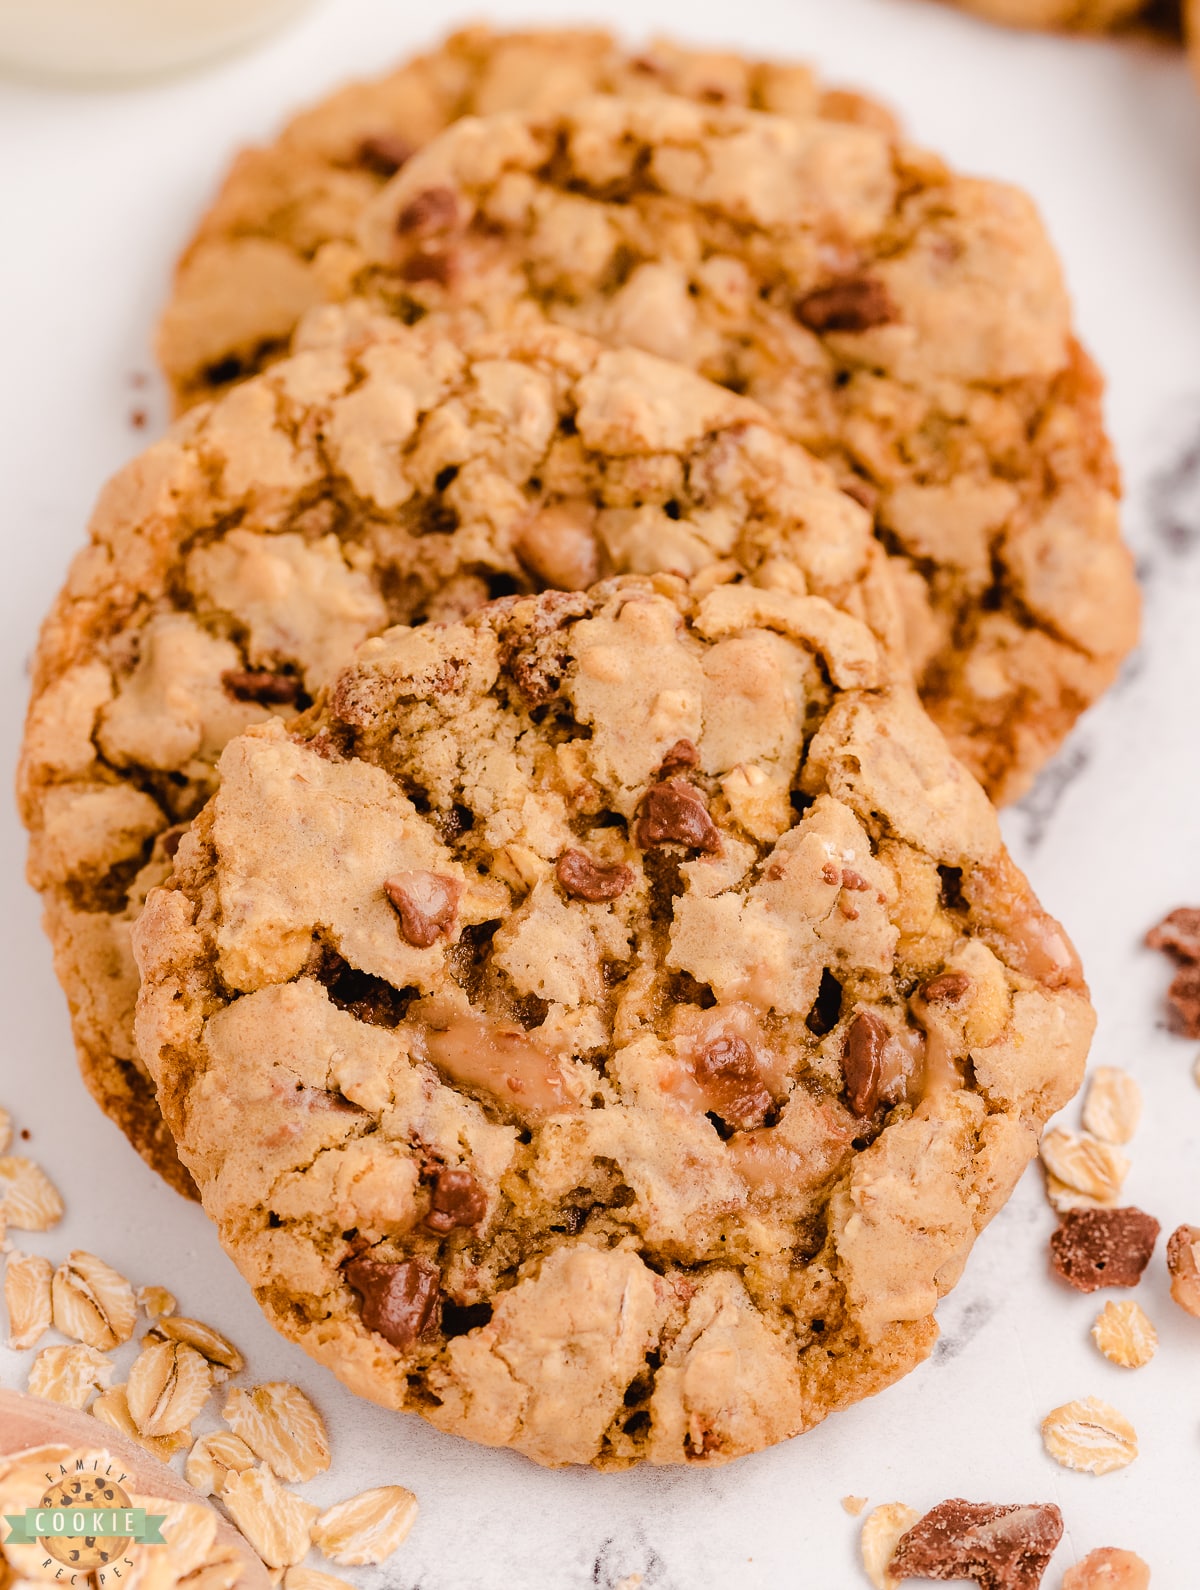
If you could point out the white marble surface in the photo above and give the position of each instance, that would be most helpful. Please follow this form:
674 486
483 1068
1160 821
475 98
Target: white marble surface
98 191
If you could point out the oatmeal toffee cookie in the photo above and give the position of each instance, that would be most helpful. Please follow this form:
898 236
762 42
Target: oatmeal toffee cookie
603 1024
276 239
907 324
382 476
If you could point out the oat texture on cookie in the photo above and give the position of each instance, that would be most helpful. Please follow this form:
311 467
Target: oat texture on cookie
602 1025
907 324
279 236
382 475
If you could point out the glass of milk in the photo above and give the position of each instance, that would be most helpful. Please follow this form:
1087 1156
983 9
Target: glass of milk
115 41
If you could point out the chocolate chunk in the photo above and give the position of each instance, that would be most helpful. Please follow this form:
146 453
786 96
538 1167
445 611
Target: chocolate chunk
383 153
948 988
427 904
434 210
584 879
261 685
1183 997
862 1061
429 266
682 755
457 1199
1178 934
675 814
727 1071
855 305
1103 1247
999 1547
401 1302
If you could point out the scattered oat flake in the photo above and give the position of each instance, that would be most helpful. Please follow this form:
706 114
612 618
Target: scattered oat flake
280 1424
68 1375
189 1531
854 1505
1089 1436
1001 1547
882 1531
631 1581
168 1385
156 1300
274 1520
1063 1198
210 1343
30 1200
6 1133
212 1458
1108 1569
312 1579
1183 1261
1113 1106
367 1528
1125 1335
112 1408
1085 1163
92 1302
1103 1247
27 1297
221 1573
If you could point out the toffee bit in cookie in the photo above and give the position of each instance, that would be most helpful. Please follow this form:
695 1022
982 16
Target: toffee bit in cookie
400 1302
856 305
261 685
862 1061
558 545
383 153
1183 1261
434 210
457 1199
728 1072
427 905
585 879
999 1547
949 988
1103 1247
675 814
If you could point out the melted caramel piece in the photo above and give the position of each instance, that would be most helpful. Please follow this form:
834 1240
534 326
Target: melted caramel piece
505 1062
1025 936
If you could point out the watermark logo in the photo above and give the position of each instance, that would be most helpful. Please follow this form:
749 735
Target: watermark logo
86 1523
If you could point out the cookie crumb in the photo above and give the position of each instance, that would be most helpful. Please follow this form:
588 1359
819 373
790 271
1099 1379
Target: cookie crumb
1108 1568
1103 1247
854 1505
1183 1261
137 419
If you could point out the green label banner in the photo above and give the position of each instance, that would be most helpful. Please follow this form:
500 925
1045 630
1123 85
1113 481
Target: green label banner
80 1523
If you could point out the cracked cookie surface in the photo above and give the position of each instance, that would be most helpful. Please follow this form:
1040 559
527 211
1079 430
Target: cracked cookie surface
384 475
601 1025
907 324
275 240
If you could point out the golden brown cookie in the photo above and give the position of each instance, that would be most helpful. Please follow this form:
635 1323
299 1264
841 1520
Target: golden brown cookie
908 325
603 1025
383 475
276 234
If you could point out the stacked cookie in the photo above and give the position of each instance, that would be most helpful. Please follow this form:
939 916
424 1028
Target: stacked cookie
503 729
